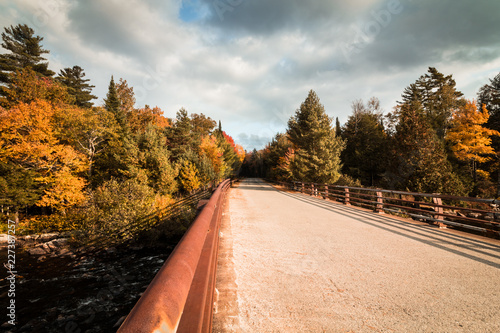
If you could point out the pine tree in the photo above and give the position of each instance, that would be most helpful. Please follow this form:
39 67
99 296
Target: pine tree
419 160
113 105
365 155
438 97
317 149
25 51
78 87
180 135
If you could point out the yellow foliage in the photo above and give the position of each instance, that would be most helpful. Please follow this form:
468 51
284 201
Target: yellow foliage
470 140
188 177
210 149
29 139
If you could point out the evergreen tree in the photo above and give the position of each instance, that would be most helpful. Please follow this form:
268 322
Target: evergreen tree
438 97
112 104
317 149
365 154
489 95
78 87
25 51
180 135
419 161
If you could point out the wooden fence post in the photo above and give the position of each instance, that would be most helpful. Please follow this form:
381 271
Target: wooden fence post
346 201
438 210
312 190
380 203
326 193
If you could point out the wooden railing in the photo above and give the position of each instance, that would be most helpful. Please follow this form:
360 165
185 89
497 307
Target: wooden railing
180 297
467 213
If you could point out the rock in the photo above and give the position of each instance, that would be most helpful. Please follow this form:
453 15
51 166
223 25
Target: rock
37 251
4 239
46 237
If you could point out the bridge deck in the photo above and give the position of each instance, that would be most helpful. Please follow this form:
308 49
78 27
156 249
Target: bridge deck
292 263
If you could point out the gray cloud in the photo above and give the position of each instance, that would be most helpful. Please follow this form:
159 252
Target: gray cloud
252 65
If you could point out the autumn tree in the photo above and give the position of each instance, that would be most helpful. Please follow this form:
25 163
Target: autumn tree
27 86
471 141
139 119
77 85
277 157
317 149
188 176
24 50
154 160
30 140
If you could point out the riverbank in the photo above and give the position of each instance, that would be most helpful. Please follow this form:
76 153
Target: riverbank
58 290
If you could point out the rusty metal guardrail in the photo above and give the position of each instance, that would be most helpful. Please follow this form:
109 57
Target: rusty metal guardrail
180 297
473 214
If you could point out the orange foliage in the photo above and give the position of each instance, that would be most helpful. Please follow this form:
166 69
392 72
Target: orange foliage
28 138
140 118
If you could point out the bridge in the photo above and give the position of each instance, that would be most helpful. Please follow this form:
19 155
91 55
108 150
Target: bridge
292 262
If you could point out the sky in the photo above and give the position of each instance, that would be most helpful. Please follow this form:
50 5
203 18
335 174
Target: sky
251 63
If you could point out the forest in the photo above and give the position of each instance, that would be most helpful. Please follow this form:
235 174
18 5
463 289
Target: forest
67 163
433 141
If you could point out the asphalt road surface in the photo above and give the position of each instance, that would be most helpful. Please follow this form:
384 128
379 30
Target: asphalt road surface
289 262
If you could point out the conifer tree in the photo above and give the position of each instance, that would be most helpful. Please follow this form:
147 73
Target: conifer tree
78 87
438 97
317 148
25 50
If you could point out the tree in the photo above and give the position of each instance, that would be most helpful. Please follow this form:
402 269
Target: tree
73 79
30 140
277 157
419 162
25 51
154 159
489 95
112 104
188 177
438 97
471 141
139 119
365 155
27 86
317 149
180 135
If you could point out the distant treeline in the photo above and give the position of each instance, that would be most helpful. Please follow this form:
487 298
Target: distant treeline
433 141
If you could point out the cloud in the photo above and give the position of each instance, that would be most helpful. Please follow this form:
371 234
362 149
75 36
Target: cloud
251 63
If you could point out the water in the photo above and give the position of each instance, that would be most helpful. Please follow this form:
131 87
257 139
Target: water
91 294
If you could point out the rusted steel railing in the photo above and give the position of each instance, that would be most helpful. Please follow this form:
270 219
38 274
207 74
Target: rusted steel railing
180 297
475 214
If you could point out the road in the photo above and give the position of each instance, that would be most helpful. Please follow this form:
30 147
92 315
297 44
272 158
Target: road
289 262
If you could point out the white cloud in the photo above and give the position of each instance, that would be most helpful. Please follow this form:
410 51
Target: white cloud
253 67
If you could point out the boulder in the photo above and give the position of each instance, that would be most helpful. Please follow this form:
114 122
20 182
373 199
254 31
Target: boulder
37 251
